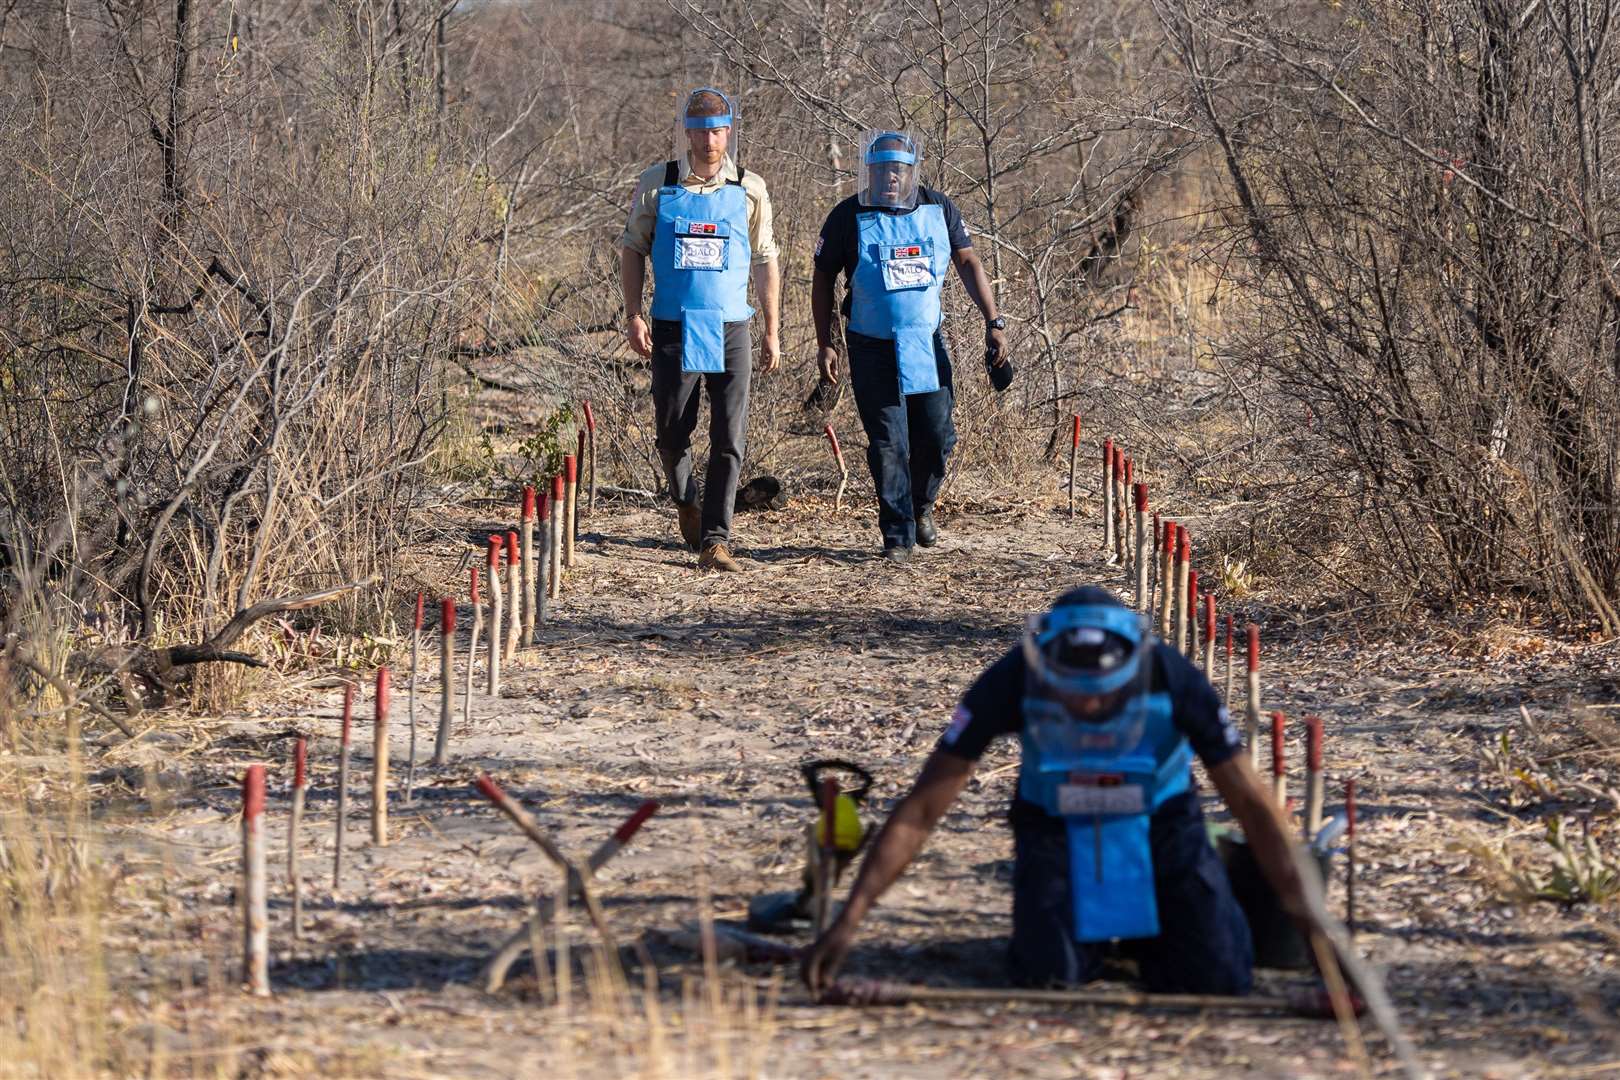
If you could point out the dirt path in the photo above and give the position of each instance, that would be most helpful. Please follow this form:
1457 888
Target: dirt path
706 692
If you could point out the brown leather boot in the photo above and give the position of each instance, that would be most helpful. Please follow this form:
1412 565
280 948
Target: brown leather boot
717 557
690 516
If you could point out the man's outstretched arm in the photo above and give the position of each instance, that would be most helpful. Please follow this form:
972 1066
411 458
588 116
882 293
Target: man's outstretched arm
943 776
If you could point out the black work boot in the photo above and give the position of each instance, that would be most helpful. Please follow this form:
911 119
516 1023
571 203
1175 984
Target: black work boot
927 534
898 554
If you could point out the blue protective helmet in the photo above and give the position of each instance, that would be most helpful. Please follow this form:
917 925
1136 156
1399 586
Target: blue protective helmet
1087 643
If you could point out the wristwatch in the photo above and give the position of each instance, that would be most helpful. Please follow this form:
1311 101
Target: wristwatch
997 323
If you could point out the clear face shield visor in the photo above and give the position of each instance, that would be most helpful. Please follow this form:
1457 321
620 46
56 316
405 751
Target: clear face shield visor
704 140
1086 711
890 163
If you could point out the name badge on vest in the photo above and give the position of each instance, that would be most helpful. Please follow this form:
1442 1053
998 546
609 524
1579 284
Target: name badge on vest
700 245
907 266
1110 799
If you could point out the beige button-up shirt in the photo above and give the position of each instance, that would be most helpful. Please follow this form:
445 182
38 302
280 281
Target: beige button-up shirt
638 231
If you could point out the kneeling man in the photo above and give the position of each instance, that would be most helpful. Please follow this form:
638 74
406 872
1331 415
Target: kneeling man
1109 838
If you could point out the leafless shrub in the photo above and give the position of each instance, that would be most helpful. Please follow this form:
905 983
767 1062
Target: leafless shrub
1422 232
239 255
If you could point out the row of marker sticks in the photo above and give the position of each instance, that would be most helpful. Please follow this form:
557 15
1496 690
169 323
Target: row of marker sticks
1167 591
534 573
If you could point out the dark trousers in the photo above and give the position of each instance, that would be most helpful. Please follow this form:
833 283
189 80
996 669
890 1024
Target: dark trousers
909 437
1203 945
675 415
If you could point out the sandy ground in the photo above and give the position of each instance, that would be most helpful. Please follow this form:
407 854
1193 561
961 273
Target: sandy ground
706 692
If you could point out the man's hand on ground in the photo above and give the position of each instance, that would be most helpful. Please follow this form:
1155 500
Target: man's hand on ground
827 361
823 959
639 334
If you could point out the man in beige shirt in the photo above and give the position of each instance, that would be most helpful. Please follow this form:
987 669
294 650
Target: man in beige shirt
706 225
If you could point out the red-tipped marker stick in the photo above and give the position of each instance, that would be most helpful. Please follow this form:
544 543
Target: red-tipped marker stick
570 495
1144 552
509 806
497 608
826 854
590 448
1183 596
1315 792
1350 856
1167 581
294 878
579 483
514 599
1279 770
1192 616
558 514
255 886
526 564
843 469
410 702
379 768
496 967
1074 454
472 646
1209 635
343 786
1117 495
1108 494
1251 707
447 679
542 578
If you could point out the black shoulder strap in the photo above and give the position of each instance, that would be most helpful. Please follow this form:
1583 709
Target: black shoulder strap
672 173
738 181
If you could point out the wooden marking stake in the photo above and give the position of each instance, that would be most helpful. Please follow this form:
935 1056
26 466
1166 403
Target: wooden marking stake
255 889
379 768
447 678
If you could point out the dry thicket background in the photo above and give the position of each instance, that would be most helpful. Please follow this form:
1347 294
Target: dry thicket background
1357 265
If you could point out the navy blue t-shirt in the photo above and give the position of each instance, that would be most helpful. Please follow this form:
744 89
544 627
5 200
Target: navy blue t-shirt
994 706
838 247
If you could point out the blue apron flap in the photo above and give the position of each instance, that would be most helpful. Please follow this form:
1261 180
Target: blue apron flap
1111 878
703 340
914 353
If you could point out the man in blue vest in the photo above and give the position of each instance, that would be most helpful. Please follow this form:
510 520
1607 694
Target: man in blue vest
893 241
706 224
1108 836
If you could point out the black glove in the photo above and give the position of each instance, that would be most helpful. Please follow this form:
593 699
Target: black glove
1001 375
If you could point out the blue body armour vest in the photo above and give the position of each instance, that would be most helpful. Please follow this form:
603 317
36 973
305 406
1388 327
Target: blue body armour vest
1106 799
701 260
894 291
